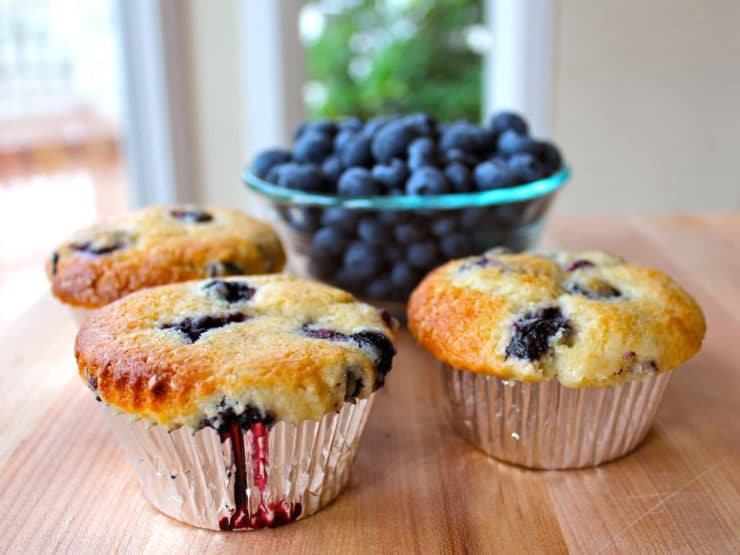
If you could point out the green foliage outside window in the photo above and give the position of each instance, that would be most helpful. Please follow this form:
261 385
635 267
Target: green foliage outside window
388 56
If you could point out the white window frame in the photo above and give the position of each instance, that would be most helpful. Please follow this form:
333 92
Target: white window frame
160 145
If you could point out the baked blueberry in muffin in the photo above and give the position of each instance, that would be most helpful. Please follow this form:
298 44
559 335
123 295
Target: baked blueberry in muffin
159 245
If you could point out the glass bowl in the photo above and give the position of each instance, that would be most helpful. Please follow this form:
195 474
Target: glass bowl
381 247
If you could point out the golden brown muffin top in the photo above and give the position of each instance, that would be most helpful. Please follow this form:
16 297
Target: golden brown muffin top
585 318
159 245
270 347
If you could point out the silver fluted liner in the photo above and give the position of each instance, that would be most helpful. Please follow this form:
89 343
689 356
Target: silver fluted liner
547 425
191 476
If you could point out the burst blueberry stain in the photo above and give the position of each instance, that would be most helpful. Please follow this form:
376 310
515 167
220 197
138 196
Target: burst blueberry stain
231 291
193 328
192 216
532 333
227 417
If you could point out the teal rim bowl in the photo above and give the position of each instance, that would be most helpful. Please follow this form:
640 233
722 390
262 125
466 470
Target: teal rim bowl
534 189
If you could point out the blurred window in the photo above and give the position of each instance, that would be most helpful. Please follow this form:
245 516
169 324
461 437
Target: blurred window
368 57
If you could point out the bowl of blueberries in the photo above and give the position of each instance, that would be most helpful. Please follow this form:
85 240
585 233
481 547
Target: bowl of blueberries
373 206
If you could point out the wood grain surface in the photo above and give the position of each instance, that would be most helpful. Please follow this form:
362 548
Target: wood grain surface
65 485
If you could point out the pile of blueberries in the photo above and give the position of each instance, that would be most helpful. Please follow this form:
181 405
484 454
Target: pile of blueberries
383 254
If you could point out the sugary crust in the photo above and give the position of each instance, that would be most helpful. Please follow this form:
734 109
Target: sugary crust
265 362
160 249
464 313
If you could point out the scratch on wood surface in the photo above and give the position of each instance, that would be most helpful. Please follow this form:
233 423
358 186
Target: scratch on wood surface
659 504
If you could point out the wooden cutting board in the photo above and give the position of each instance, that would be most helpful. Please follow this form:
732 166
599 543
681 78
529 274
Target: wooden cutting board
65 485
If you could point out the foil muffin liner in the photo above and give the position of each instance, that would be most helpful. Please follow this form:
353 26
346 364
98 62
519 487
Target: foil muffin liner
547 425
244 479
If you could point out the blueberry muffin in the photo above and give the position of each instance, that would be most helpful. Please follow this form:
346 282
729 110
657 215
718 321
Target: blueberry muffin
159 245
269 376
549 333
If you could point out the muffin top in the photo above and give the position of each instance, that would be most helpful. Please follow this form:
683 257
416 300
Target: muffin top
159 245
585 318
257 348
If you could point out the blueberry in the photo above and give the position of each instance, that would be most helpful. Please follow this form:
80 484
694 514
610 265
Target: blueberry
527 168
531 333
373 231
456 245
331 169
392 175
422 123
268 159
423 255
328 241
273 176
341 219
510 142
374 125
194 327
460 177
394 252
381 349
224 268
444 225
352 279
596 290
463 136
578 264
422 152
299 130
494 174
411 232
550 157
380 288
350 124
98 247
323 126
231 291
357 183
302 177
428 181
475 217
191 216
392 140
356 152
363 260
322 333
503 121
342 138
392 217
353 385
312 147
457 155
404 277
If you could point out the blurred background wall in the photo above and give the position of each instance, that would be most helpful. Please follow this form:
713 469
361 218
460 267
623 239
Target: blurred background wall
646 104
